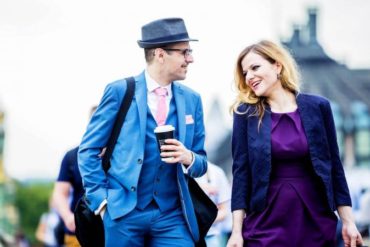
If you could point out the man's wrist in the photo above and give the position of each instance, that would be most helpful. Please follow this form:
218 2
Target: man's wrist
190 159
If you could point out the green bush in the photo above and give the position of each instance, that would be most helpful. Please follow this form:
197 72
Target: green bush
31 200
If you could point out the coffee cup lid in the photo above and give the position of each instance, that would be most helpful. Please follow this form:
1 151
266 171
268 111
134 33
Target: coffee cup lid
164 128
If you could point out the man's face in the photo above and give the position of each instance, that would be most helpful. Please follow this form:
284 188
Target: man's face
177 57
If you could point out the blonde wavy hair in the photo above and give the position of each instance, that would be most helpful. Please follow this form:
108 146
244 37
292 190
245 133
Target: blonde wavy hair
289 75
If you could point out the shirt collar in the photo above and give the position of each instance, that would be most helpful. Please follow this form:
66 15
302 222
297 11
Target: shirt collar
151 84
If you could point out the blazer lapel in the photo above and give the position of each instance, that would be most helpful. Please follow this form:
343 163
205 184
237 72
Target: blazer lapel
262 133
307 122
259 138
141 99
178 94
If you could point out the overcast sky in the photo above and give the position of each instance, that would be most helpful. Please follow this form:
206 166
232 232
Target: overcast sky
57 56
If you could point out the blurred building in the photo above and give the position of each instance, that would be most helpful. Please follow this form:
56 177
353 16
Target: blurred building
347 89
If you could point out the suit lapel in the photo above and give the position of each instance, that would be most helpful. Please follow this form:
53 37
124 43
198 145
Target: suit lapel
178 94
141 99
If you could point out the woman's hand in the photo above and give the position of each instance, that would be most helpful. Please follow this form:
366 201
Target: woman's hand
235 240
351 236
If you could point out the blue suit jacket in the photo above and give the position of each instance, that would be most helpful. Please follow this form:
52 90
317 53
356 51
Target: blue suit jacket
119 185
252 154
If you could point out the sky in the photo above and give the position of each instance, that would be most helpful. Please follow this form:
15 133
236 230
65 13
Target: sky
56 58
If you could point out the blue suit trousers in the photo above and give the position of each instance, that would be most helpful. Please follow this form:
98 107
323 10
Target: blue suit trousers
148 227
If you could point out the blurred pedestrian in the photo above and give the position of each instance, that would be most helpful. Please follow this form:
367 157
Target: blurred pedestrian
21 240
45 231
68 190
214 182
288 178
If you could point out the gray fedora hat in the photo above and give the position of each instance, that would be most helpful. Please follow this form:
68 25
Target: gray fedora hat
163 31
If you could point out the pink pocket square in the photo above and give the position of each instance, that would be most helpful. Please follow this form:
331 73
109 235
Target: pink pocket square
189 119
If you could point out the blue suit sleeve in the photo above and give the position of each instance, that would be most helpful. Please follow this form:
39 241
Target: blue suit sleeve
340 187
93 141
239 197
199 166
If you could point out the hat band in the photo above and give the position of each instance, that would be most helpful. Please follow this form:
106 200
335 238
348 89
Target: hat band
169 38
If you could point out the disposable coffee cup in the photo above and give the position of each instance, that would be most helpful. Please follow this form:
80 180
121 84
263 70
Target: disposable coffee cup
162 133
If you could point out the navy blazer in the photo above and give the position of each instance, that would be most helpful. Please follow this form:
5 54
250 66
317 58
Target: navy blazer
251 151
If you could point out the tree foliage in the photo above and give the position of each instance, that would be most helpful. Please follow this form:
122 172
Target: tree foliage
31 200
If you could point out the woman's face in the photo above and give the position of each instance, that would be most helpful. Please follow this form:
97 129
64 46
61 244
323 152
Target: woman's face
260 75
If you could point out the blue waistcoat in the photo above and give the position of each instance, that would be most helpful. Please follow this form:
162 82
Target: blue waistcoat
157 179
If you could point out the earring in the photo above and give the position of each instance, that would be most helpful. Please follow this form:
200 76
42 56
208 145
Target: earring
278 76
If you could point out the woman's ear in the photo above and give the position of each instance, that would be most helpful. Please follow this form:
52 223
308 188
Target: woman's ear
279 67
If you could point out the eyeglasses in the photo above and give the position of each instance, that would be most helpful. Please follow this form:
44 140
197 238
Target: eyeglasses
185 52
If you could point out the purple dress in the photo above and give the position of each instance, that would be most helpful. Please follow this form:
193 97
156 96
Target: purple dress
297 212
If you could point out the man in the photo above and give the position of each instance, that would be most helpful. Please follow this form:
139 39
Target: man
67 191
68 186
143 200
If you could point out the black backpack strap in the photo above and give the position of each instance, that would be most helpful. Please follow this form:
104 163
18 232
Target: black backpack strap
125 105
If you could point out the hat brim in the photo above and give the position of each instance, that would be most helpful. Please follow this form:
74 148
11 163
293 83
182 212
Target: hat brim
144 44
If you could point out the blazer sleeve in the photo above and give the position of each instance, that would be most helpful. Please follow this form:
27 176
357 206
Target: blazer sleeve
239 197
199 167
94 140
340 187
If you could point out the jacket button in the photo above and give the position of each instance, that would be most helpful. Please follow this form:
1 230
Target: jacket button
155 193
139 161
133 188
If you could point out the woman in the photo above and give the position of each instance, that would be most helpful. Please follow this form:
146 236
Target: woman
287 175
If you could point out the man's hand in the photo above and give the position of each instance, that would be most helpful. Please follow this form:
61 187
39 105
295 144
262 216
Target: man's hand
175 152
69 222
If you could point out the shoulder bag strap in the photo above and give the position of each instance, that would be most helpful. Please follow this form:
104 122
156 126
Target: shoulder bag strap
125 105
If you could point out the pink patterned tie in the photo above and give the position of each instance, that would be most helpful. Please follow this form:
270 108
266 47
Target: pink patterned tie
161 109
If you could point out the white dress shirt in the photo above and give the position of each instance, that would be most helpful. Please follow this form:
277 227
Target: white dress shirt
151 85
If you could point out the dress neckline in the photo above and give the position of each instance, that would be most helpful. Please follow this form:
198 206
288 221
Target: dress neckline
282 113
